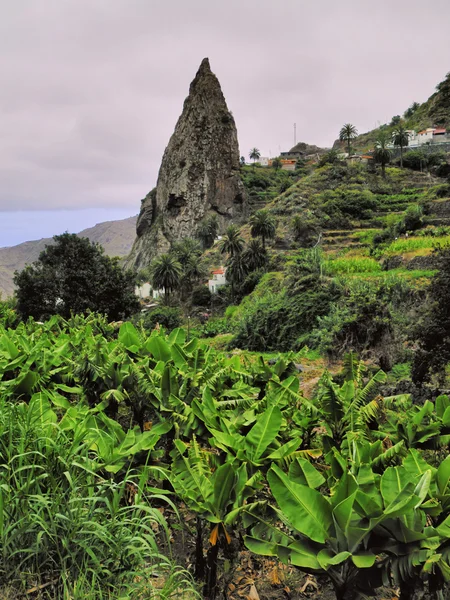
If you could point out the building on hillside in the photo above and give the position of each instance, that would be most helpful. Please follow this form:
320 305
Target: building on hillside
439 134
263 161
145 291
425 136
217 281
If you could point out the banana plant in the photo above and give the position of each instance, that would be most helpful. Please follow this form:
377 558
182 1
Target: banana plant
348 409
343 532
217 494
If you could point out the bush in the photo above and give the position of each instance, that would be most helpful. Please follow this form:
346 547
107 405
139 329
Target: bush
201 296
167 317
275 321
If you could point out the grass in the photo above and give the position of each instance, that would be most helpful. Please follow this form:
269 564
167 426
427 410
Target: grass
66 527
417 276
412 244
349 265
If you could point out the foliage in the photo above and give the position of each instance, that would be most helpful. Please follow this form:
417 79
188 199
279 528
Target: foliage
74 276
231 243
382 154
262 224
165 316
434 330
348 133
207 231
166 272
69 525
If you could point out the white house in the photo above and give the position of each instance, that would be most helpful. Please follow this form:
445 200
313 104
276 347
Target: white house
218 280
145 290
263 161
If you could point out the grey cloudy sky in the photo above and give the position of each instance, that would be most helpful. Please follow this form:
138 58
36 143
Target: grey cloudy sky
91 89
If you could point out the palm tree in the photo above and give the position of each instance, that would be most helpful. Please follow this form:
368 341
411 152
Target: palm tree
166 273
207 231
188 252
231 243
400 139
237 270
276 163
382 154
262 225
348 133
254 255
254 155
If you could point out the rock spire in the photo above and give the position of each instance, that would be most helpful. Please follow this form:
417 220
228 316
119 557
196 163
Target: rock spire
199 173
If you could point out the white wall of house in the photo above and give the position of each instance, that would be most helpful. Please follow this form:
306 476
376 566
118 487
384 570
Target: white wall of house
145 290
218 280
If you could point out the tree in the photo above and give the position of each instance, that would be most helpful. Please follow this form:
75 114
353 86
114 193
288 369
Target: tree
433 332
242 161
254 155
207 231
395 120
400 139
255 255
348 133
75 276
276 163
262 225
411 110
382 154
166 272
237 270
188 252
232 243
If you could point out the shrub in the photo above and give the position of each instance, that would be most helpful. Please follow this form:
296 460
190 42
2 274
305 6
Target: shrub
167 317
201 296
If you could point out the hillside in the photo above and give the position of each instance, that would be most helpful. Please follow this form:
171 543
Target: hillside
116 237
435 112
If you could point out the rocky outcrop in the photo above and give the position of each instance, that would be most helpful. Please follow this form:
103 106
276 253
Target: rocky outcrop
199 173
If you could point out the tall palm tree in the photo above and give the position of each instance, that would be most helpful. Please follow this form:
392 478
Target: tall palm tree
254 255
207 231
400 139
348 133
188 252
254 155
237 270
186 249
382 154
262 225
166 272
232 242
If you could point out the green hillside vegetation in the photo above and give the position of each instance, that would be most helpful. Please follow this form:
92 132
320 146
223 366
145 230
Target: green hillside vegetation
435 112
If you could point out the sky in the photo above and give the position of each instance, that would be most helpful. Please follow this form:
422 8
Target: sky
91 89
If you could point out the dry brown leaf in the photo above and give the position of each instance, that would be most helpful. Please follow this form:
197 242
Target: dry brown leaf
274 576
253 594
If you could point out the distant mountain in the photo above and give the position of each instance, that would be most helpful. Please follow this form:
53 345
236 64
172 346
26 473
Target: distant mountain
116 237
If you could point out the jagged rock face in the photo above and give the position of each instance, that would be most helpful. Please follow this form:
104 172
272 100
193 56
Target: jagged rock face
199 173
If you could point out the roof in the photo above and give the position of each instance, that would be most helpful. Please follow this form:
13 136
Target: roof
218 272
366 156
440 130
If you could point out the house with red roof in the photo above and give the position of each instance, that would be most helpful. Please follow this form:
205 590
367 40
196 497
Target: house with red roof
218 280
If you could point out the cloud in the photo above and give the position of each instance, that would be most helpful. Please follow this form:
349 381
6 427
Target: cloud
91 91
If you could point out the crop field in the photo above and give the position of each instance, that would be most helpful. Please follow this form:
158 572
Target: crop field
120 441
